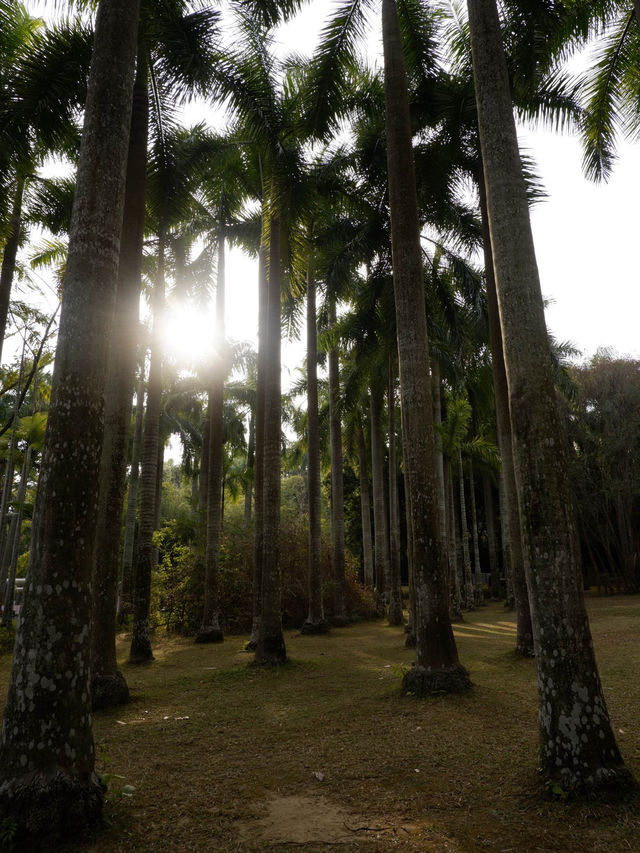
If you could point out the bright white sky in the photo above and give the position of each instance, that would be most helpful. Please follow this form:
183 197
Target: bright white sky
585 234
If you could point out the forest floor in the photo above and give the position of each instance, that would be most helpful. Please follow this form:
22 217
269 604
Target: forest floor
324 754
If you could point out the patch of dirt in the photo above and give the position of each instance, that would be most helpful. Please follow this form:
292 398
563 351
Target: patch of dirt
313 819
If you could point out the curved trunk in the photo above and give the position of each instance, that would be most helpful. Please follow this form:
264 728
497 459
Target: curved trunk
396 616
9 257
315 623
140 651
124 605
108 686
380 531
518 584
210 631
337 484
258 523
578 750
271 648
48 785
365 507
437 665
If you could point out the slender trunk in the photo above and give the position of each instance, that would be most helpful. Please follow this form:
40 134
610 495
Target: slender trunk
210 630
380 530
204 465
491 534
258 523
455 587
365 506
518 584
48 785
437 420
7 488
315 623
271 648
396 616
108 685
437 665
578 751
410 629
140 651
132 506
249 470
477 569
506 544
9 257
468 598
7 617
337 484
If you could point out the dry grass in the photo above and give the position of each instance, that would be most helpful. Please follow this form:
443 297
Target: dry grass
224 756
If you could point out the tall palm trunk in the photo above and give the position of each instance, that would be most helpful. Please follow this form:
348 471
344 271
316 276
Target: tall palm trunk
126 582
578 751
49 787
9 257
437 420
380 529
140 651
396 616
258 480
410 628
315 623
455 587
477 568
14 542
210 630
7 486
468 597
491 534
524 630
337 484
250 470
271 648
437 665
108 685
365 507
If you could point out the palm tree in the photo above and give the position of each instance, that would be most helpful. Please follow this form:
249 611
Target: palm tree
63 794
581 757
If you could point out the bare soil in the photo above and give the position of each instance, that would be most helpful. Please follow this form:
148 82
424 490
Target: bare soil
325 754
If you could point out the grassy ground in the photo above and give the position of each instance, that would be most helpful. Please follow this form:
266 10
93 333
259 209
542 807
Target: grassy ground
324 754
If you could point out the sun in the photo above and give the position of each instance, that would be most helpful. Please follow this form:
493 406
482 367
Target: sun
188 333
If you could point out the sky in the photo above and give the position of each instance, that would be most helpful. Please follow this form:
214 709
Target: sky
585 234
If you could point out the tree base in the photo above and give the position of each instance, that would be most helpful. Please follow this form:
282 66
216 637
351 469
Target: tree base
107 691
420 681
271 651
209 635
410 641
606 784
524 650
340 621
44 810
136 658
314 628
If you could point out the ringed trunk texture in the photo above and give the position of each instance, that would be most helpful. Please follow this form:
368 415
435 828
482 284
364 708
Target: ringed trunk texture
258 502
396 616
315 622
437 666
9 258
140 651
337 485
271 648
578 751
48 785
108 685
524 630
365 507
210 630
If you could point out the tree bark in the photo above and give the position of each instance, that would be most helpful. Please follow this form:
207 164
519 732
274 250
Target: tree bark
578 751
518 586
437 666
250 470
210 630
48 785
396 616
108 685
9 257
491 535
468 598
455 586
337 485
477 569
132 506
271 647
365 507
140 651
315 622
380 529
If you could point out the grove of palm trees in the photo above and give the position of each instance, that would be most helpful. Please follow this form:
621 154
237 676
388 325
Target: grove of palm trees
251 601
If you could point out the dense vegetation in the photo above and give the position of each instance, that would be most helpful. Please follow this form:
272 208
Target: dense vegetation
439 448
